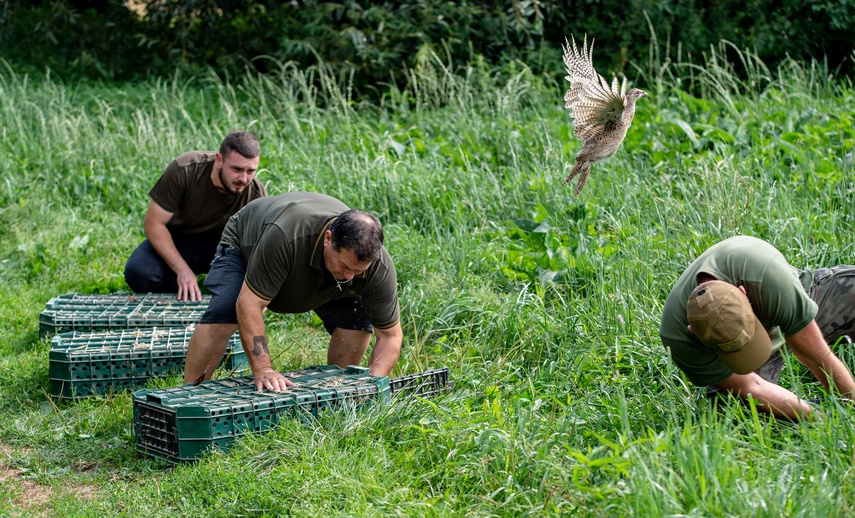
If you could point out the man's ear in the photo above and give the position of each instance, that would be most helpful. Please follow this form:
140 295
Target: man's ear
690 329
742 289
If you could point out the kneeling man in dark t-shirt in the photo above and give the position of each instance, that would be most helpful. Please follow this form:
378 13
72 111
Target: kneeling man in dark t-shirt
190 204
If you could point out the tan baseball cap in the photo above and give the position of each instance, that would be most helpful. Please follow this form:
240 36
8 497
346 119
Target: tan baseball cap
722 318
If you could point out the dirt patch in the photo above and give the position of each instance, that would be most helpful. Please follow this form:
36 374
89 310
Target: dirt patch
30 497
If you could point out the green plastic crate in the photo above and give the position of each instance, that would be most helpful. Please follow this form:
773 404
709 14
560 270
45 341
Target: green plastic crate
84 364
179 424
76 312
425 384
78 300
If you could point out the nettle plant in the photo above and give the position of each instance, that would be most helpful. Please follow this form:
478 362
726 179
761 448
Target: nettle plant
542 250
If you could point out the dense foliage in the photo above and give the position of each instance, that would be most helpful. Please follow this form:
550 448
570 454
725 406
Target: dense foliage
118 39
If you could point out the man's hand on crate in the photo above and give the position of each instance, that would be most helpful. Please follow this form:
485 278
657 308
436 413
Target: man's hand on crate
188 286
270 379
253 334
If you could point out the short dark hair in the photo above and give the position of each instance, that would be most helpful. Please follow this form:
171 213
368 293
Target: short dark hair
242 142
359 232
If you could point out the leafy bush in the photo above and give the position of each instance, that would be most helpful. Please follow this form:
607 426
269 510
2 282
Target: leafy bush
72 39
375 39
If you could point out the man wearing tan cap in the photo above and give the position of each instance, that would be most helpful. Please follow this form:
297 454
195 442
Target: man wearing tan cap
729 314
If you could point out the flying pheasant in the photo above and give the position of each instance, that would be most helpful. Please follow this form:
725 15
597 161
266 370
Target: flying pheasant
602 113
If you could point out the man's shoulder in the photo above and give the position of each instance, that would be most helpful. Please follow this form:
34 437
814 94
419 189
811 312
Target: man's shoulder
745 245
381 275
308 203
256 190
188 172
187 169
193 159
386 258
308 197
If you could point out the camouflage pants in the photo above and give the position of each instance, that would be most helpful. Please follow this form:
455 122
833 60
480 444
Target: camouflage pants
833 291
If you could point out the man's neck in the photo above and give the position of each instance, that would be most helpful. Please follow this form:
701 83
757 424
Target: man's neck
704 277
215 179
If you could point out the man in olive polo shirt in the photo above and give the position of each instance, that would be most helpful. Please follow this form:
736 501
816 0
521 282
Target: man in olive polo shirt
190 204
293 253
731 312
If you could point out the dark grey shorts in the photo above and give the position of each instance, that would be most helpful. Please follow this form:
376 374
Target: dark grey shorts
225 280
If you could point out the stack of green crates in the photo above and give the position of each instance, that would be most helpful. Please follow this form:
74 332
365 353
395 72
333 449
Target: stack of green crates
179 424
95 363
76 312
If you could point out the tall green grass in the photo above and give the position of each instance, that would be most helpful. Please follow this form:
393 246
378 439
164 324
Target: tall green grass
546 306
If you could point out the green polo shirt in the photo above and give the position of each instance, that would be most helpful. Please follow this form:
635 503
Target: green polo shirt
185 189
775 289
281 239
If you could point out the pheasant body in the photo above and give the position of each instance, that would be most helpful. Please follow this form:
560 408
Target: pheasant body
602 112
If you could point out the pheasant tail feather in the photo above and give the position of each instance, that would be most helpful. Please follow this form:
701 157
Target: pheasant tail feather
581 169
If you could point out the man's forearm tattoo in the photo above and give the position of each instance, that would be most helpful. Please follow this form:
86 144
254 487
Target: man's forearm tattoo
259 343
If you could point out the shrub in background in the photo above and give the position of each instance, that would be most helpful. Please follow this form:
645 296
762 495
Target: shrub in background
127 39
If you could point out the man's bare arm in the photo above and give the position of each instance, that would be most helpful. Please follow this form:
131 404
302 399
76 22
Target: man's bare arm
770 397
387 349
154 225
253 337
811 349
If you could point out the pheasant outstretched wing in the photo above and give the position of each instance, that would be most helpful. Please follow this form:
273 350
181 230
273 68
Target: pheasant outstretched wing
596 106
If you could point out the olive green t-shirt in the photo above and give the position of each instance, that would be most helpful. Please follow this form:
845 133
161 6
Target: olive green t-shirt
185 189
281 239
774 288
